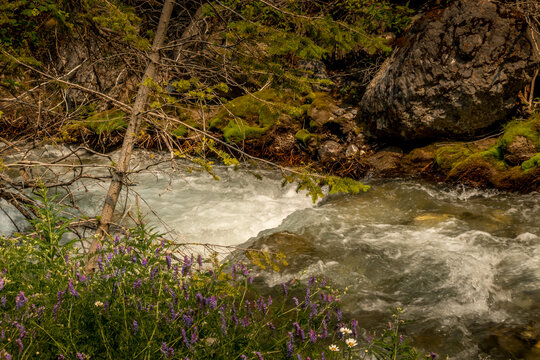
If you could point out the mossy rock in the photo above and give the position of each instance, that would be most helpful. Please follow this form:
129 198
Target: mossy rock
240 131
308 140
251 116
448 156
532 163
529 128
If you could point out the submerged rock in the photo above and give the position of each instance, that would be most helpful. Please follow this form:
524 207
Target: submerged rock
457 72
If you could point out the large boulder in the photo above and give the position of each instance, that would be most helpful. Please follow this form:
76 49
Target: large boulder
456 73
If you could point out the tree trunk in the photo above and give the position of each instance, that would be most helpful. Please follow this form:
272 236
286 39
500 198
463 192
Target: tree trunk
122 167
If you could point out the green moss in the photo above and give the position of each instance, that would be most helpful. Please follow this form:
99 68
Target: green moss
251 116
529 128
240 131
532 163
321 101
448 156
303 136
106 122
494 153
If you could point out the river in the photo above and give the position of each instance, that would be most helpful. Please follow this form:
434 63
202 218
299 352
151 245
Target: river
463 263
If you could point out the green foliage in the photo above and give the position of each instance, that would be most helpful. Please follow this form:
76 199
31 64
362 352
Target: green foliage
392 345
374 15
26 24
115 16
50 226
147 300
269 43
105 122
314 185
344 185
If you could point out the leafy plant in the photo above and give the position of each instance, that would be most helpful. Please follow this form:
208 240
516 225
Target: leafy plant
148 300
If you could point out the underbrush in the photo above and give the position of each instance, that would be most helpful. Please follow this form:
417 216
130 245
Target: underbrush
146 301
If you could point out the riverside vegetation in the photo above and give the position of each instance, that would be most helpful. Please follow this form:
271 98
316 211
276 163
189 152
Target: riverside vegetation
145 302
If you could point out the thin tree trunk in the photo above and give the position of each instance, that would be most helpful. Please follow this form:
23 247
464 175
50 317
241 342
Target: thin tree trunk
122 167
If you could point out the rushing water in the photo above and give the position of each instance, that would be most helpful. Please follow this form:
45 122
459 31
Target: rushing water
463 263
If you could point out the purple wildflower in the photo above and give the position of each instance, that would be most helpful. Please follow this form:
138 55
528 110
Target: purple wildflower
259 355
8 356
137 284
243 357
1 283
433 355
168 352
144 262
324 330
20 300
81 356
199 260
153 273
400 339
299 357
354 325
308 297
245 321
223 325
322 356
135 326
295 301
199 299
61 357
211 302
194 335
234 272
72 290
290 349
55 311
188 320
339 314
285 291
186 266
312 335
20 345
184 336
82 277
3 301
312 281
168 260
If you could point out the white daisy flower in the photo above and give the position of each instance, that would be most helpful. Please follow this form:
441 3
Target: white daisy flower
98 303
333 347
351 342
345 330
